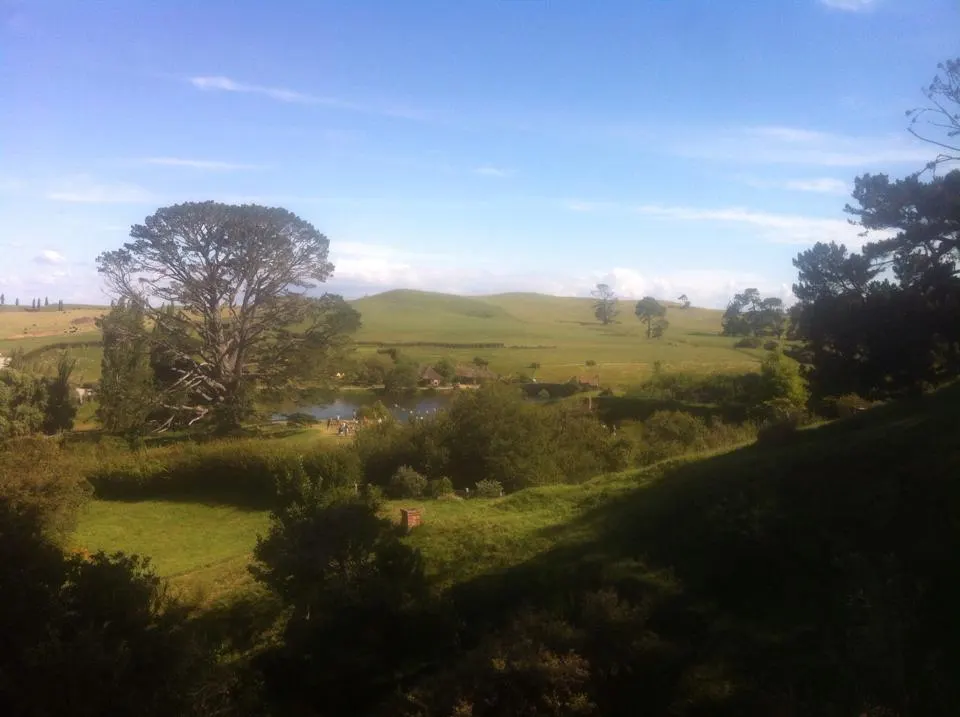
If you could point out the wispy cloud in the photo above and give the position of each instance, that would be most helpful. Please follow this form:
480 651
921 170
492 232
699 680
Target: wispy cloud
369 268
206 164
817 185
87 191
490 171
850 5
780 228
218 83
49 257
794 145
821 185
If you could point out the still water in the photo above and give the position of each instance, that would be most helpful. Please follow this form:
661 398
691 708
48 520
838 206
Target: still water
343 405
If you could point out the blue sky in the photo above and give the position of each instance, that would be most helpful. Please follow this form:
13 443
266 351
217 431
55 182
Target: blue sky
475 146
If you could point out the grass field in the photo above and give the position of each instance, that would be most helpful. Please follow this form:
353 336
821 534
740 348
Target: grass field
622 352
566 325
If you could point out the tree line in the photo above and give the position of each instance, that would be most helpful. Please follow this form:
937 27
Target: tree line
34 303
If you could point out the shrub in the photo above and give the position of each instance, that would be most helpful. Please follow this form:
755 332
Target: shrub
440 487
748 342
543 394
301 419
407 483
243 472
488 489
771 345
39 478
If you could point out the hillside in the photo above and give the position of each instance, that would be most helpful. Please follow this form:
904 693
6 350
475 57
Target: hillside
813 575
559 333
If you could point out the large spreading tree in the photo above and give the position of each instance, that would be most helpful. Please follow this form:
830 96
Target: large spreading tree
750 314
225 289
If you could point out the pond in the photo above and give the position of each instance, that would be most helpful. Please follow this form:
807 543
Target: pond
343 405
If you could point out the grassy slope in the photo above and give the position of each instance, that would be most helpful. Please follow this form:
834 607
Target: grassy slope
759 518
692 343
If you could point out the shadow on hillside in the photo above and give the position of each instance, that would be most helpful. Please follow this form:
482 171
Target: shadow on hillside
817 576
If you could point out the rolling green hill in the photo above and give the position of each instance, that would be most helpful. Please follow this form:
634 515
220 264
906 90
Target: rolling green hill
559 333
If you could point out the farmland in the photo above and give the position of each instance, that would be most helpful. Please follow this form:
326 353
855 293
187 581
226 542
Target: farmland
559 333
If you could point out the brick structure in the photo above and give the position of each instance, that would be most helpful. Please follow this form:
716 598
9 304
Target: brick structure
410 518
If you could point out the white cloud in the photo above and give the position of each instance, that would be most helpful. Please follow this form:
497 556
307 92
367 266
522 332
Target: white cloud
849 5
821 185
363 268
793 145
488 171
781 228
219 83
198 163
86 190
49 256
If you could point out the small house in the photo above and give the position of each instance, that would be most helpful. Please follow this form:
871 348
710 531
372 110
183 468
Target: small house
587 383
430 377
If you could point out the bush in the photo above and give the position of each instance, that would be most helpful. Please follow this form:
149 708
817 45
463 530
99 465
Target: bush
771 345
440 487
488 489
244 472
748 342
407 483
39 478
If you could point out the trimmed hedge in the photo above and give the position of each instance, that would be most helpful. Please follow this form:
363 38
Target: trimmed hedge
243 472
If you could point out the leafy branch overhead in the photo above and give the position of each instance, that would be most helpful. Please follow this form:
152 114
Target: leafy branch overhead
225 289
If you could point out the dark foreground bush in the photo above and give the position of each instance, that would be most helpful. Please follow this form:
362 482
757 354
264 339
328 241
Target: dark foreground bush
243 472
749 342
94 635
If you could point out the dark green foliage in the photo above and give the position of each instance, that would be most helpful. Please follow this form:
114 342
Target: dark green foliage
492 433
236 472
855 324
92 636
406 483
749 342
446 368
440 487
61 403
23 402
650 311
771 345
357 598
748 314
488 489
39 477
605 306
127 391
402 377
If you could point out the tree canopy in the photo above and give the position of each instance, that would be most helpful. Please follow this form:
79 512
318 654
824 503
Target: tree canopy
651 312
233 280
605 308
749 314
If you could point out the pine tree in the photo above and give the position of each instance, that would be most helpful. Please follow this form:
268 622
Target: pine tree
17 301
33 303
3 300
127 390
61 406
46 301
